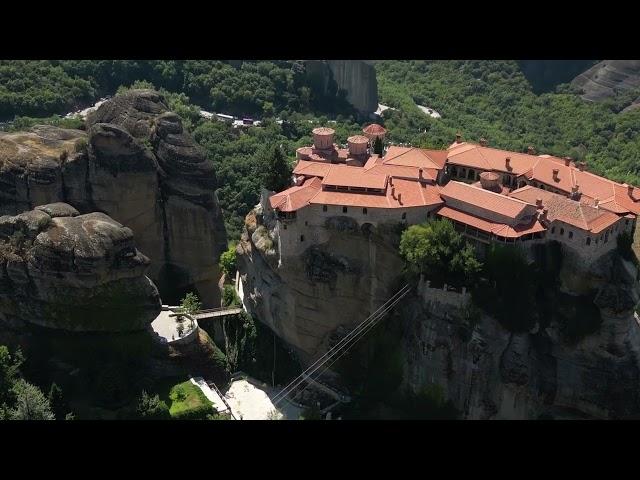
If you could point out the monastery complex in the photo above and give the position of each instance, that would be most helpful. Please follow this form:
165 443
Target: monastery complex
490 195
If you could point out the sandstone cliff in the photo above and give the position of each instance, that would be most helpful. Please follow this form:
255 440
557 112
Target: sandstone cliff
356 77
140 167
331 286
490 373
609 77
486 372
62 270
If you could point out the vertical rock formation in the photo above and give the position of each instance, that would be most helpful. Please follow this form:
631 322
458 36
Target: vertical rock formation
139 166
62 270
357 78
609 77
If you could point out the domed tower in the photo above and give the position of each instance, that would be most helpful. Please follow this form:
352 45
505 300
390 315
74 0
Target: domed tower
373 131
323 138
490 181
358 145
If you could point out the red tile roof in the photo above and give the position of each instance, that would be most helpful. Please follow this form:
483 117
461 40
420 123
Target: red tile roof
415 157
294 198
569 211
488 226
484 199
358 139
346 176
323 131
374 129
316 169
406 194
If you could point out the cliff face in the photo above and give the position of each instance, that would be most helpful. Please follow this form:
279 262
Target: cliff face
62 270
489 373
484 370
332 286
356 77
608 77
140 167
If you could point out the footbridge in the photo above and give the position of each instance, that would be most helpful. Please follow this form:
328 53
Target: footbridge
216 312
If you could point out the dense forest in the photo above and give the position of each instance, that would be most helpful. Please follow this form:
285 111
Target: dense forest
496 100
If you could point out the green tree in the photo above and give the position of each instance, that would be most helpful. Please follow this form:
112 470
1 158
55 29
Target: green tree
377 146
230 297
277 171
150 407
30 403
9 373
58 404
191 304
436 250
228 261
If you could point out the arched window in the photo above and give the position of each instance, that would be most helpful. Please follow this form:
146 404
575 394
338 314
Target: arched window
324 208
562 231
302 238
404 215
588 240
553 229
344 209
570 234
364 210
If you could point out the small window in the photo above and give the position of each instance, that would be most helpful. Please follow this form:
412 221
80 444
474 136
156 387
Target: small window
302 238
364 210
626 222
324 208
553 229
588 240
596 241
344 209
570 234
284 226
306 224
404 215
562 231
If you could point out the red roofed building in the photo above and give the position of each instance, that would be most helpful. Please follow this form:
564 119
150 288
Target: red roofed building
490 195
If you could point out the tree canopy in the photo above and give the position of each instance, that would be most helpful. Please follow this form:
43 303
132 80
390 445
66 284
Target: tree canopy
436 250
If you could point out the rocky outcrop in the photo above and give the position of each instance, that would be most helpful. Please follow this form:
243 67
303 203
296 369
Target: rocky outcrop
63 270
490 373
138 165
330 286
311 301
357 78
609 77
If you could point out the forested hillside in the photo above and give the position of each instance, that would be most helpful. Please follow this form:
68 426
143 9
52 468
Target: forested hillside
490 99
493 99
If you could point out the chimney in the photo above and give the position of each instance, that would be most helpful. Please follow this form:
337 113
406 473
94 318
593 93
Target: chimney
630 190
531 150
581 166
420 174
555 174
567 161
458 137
507 163
483 142
543 215
596 202
539 202
575 191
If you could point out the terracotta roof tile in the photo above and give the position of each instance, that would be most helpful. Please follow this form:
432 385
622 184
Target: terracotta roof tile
297 197
569 211
488 226
374 129
346 176
484 199
415 157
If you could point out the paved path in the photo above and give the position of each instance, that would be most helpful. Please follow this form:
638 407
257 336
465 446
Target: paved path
212 395
250 401
166 326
